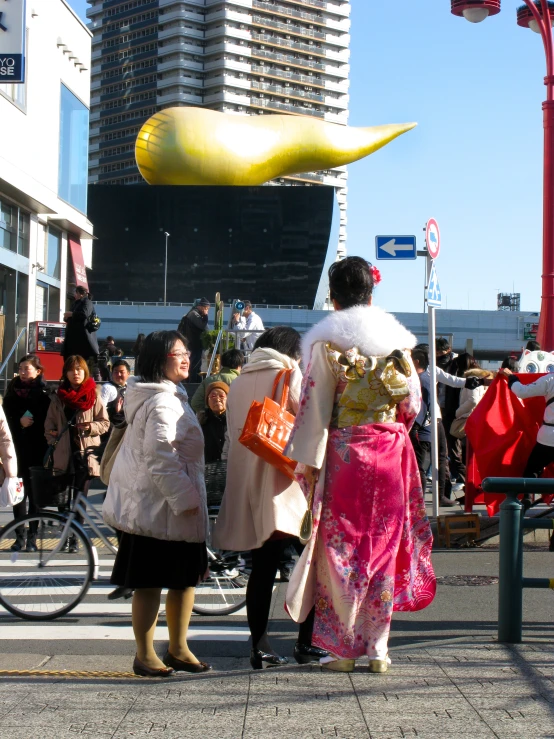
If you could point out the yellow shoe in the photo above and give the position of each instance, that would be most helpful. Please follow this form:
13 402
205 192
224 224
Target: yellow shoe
340 665
378 665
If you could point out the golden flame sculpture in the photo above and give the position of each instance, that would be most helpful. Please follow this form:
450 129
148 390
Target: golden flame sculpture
197 146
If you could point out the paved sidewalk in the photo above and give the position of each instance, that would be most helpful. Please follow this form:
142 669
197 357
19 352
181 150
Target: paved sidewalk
449 678
480 691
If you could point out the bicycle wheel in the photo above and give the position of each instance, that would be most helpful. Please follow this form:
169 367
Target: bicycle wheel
36 587
224 592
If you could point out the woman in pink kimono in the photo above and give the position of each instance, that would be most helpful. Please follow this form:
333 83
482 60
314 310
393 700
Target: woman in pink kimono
370 549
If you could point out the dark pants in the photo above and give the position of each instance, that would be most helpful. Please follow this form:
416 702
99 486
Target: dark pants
20 509
195 365
539 459
265 563
422 451
455 452
287 557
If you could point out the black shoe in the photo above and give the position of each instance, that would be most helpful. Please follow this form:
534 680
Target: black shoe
260 659
304 653
285 573
18 544
73 545
65 546
141 669
31 544
120 593
180 665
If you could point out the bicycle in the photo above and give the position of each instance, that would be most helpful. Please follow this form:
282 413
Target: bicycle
42 586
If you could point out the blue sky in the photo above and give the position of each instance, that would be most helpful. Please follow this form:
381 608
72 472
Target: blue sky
474 162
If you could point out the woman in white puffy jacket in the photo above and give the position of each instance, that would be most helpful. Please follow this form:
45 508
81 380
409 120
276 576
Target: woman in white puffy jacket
157 498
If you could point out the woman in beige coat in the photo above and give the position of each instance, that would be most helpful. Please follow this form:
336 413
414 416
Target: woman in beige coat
262 508
78 403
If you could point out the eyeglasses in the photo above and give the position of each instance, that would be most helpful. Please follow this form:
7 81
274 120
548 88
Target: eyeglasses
180 355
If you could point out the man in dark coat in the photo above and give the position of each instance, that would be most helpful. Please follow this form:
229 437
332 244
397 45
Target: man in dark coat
78 339
192 326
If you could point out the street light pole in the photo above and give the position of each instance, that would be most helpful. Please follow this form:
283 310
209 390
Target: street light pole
165 268
538 16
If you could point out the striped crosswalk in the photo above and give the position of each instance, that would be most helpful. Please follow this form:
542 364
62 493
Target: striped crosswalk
96 617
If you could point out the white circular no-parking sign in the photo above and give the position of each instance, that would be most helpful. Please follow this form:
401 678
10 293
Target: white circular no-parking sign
433 238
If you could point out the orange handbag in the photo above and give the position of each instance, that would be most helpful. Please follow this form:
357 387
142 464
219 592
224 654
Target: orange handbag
267 428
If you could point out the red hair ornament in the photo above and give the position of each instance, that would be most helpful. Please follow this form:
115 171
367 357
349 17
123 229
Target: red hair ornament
376 275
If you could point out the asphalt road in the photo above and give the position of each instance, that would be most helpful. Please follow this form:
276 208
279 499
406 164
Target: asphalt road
98 635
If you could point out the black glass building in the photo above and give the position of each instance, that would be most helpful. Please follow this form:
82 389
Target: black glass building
264 244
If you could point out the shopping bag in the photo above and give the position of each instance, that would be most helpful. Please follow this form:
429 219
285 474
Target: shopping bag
11 492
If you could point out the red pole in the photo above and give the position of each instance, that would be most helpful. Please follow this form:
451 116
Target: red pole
545 335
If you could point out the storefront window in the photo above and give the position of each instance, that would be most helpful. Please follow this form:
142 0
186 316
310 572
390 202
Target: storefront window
73 164
15 93
21 303
23 239
53 252
53 304
41 301
7 307
47 303
8 224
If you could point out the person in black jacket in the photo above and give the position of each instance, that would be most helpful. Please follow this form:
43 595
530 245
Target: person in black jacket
26 405
214 420
192 327
78 339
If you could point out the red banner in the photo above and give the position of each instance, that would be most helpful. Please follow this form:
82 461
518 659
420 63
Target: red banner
502 431
78 263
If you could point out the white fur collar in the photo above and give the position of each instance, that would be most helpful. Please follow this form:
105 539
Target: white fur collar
375 332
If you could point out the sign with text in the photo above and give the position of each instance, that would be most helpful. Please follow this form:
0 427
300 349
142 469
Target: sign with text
12 41
78 262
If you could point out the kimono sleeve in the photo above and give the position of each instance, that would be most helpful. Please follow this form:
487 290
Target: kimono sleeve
308 440
408 409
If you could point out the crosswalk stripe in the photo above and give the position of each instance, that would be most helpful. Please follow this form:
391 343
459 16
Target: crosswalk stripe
71 632
123 608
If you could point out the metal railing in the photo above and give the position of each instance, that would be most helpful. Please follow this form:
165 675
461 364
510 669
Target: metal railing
512 525
264 306
4 365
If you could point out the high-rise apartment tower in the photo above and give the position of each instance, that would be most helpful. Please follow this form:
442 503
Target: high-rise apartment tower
242 57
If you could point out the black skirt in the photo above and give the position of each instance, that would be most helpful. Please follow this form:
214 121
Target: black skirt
144 562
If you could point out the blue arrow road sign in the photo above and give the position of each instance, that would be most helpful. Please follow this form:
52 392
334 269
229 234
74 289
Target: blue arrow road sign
395 247
434 297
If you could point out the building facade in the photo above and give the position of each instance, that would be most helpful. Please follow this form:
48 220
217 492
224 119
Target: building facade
264 244
242 57
43 172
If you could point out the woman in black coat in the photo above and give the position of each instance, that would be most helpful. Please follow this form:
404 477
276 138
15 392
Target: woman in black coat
26 405
78 339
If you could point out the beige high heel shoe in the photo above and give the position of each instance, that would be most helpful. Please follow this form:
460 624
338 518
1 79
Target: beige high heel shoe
338 665
378 665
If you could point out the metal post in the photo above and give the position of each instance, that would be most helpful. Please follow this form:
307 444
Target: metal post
543 17
510 596
165 268
433 398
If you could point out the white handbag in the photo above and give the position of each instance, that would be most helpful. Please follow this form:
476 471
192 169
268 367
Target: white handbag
11 492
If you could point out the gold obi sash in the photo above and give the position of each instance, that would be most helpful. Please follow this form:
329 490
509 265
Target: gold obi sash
369 388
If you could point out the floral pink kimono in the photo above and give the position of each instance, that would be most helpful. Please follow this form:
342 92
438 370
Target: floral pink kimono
371 544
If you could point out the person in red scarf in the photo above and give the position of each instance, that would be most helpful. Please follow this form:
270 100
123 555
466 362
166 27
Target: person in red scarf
77 402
